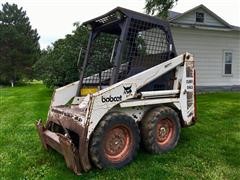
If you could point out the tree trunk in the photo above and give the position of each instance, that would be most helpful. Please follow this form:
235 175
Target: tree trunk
12 83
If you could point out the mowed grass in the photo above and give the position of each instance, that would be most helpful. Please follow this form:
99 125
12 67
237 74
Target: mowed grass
208 150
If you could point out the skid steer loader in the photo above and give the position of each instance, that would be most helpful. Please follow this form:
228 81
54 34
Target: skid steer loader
132 86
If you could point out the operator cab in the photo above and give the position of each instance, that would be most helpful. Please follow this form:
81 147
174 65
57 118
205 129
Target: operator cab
121 44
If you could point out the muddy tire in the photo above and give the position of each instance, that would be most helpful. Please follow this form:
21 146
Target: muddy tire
160 130
114 142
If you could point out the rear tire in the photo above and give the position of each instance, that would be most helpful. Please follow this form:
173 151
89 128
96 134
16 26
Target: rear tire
115 141
160 129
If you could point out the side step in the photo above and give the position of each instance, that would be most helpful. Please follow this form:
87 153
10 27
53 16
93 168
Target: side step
61 144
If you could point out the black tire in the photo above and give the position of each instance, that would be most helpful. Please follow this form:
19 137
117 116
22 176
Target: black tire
160 130
114 142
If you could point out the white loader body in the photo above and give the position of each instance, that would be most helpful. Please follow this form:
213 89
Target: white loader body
83 114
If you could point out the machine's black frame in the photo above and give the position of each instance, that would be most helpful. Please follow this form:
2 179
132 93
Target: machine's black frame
123 20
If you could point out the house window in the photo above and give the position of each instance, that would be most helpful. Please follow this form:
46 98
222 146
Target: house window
227 62
199 17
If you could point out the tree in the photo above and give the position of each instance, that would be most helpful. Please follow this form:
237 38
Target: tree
58 64
19 47
160 7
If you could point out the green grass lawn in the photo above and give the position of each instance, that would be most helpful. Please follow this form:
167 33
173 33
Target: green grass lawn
208 150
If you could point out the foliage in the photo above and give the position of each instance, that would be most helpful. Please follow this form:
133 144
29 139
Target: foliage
19 47
208 150
58 64
160 7
100 53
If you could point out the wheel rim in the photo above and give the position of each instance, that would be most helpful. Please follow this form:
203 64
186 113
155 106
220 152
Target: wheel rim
165 128
117 143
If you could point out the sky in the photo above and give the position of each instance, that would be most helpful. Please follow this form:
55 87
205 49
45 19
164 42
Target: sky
53 19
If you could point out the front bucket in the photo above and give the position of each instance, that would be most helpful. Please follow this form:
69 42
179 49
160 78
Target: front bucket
61 144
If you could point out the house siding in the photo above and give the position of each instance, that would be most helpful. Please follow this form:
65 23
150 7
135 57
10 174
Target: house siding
208 46
190 18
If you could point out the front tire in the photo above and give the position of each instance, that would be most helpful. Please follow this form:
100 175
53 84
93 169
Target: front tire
115 141
160 130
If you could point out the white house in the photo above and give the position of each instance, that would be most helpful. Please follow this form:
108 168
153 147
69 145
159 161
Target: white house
214 43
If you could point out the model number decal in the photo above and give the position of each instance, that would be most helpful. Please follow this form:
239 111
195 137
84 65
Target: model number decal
189 83
189 87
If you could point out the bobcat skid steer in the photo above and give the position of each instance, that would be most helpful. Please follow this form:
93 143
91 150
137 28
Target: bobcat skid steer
131 86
